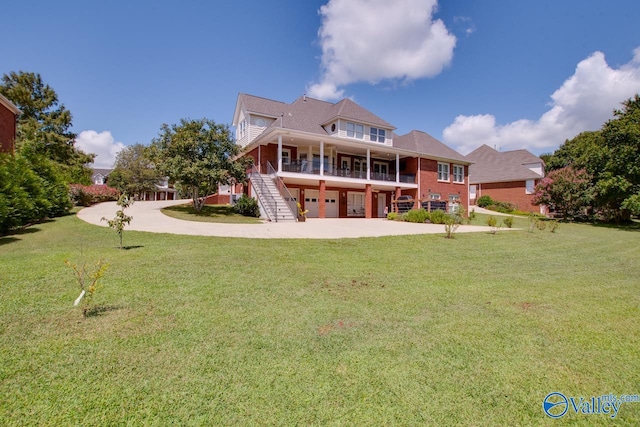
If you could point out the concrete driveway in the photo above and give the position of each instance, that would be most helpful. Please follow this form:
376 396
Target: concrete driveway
148 217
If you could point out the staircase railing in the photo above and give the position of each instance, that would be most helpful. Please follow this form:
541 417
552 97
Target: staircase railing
271 205
284 191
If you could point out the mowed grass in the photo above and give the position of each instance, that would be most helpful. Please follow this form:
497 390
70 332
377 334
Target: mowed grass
408 330
209 213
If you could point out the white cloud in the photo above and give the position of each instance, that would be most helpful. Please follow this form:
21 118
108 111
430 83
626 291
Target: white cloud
102 144
375 40
584 102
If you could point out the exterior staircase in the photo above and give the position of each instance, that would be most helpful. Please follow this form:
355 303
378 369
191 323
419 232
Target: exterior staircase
271 201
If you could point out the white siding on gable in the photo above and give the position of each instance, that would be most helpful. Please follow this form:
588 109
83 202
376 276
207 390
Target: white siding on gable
535 167
257 125
242 137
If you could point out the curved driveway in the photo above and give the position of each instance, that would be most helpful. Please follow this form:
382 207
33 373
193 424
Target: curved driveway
147 217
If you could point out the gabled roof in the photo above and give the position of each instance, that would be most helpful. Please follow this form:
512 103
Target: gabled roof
496 166
4 101
347 109
305 113
103 172
423 143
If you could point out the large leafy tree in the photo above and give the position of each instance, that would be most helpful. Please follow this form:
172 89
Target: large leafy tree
568 191
199 155
134 172
619 183
44 127
611 157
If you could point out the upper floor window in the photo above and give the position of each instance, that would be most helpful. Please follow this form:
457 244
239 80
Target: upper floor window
242 129
354 130
458 173
377 135
530 186
443 171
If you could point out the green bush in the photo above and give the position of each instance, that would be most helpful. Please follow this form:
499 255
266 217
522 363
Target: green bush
438 216
508 221
485 201
492 221
416 215
392 216
553 225
247 206
26 197
87 195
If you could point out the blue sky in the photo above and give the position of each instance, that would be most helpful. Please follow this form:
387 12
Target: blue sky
510 74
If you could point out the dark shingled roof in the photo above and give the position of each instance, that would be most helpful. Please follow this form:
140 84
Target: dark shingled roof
309 114
495 166
423 143
103 172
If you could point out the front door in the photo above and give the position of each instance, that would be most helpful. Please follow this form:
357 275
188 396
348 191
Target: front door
382 204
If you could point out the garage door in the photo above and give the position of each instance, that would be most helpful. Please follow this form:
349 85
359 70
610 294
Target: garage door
312 203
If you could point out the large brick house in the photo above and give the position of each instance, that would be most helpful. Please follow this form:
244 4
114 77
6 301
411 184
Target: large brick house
8 125
506 176
340 160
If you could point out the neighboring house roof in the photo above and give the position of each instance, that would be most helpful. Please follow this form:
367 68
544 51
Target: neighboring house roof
496 166
103 172
423 143
4 101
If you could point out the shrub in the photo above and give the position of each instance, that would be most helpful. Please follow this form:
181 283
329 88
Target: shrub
472 215
247 206
438 216
492 221
450 226
485 201
553 225
87 195
416 215
392 216
508 221
541 225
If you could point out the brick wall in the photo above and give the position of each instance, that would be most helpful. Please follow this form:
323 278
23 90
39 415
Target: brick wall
7 130
512 192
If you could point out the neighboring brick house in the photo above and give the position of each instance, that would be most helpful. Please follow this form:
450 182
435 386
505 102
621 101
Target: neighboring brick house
8 125
505 176
340 160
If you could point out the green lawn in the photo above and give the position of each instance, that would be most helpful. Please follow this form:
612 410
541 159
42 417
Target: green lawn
413 330
209 213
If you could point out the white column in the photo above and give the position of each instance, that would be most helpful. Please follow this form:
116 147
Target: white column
279 153
368 164
321 158
397 167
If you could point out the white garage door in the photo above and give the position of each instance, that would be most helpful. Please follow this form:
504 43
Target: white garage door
312 203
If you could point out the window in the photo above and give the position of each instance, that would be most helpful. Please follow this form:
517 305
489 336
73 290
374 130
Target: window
355 130
377 135
443 171
286 156
242 129
458 173
530 186
434 196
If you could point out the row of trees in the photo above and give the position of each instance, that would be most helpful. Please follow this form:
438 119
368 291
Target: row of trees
198 155
34 181
597 174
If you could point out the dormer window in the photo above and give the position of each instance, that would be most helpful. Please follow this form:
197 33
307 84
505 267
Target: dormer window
377 135
355 130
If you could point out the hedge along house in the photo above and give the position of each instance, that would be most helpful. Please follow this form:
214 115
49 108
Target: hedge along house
505 176
340 160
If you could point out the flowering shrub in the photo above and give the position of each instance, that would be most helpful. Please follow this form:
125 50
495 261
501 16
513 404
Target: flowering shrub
87 195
